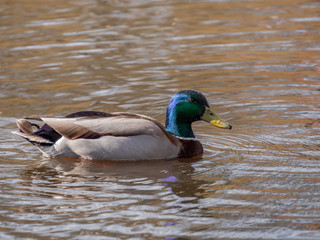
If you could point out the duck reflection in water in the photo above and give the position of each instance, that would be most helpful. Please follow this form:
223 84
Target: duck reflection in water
178 175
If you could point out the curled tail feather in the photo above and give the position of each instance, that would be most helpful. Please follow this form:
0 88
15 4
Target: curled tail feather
27 133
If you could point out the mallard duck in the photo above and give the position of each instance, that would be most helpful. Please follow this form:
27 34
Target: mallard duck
124 136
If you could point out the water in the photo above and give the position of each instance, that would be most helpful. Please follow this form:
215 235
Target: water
258 64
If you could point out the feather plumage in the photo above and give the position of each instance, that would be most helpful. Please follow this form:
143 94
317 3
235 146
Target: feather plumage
123 136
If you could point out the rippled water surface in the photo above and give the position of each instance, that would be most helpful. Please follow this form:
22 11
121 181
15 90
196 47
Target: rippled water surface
257 62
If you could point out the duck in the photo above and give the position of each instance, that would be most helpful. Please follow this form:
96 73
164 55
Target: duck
95 135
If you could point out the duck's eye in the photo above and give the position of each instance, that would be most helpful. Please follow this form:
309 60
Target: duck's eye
191 100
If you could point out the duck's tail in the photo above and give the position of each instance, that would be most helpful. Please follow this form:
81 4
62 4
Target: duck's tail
27 133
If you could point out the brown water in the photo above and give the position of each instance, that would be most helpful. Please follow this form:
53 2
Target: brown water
257 62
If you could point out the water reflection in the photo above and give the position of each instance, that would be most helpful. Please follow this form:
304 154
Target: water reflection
176 175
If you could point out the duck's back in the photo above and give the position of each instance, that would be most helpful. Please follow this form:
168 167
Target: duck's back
115 136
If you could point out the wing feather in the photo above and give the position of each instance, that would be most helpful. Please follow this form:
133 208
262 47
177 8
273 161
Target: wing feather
92 128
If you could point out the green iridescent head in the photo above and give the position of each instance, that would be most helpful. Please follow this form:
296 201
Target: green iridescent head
186 107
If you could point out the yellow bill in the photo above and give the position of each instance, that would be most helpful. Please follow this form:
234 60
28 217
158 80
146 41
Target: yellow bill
212 118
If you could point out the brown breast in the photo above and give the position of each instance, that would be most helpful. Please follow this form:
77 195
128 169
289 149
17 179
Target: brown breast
190 148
